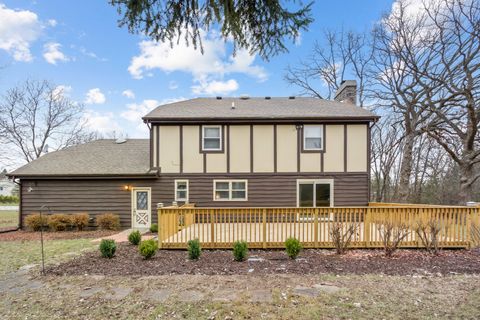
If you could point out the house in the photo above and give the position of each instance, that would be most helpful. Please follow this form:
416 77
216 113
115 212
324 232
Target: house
6 186
214 152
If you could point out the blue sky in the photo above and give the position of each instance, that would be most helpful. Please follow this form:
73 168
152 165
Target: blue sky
119 76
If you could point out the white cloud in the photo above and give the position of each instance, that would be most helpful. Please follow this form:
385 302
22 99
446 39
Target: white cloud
135 112
211 66
62 90
129 94
18 29
52 22
95 96
101 122
90 54
215 87
52 53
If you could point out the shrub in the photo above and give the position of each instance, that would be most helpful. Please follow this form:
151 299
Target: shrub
59 222
9 200
392 234
428 232
108 221
240 250
80 220
194 249
34 222
293 247
154 228
148 248
135 237
108 248
342 235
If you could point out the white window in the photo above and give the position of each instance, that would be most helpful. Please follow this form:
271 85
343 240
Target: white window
212 138
315 193
230 190
313 137
181 190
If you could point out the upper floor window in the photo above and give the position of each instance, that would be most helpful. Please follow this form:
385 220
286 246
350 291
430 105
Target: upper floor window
313 137
212 138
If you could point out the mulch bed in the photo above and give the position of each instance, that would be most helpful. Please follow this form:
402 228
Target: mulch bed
128 261
21 235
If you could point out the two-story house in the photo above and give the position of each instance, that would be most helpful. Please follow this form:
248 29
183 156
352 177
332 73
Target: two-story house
214 152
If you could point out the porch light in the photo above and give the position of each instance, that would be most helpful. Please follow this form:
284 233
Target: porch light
127 187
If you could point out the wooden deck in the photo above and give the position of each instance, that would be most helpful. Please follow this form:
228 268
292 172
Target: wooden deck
270 227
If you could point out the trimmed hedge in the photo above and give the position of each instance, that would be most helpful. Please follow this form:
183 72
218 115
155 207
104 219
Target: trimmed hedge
34 222
108 221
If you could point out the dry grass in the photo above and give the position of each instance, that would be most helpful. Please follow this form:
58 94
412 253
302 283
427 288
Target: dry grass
8 218
361 297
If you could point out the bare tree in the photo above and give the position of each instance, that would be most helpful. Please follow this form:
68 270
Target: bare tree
449 73
35 115
343 53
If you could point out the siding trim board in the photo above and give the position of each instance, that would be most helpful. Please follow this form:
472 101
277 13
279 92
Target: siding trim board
170 121
275 148
251 148
345 147
181 148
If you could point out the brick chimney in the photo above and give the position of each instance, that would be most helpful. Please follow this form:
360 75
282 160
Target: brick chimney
347 92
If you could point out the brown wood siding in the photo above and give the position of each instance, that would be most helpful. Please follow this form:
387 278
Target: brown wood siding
97 196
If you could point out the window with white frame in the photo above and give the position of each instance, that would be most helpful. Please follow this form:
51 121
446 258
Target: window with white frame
230 190
181 190
212 138
313 137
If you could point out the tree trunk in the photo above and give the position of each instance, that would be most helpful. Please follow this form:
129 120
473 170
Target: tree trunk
466 189
406 167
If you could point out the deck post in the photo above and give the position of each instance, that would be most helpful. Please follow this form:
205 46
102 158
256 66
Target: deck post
159 212
367 218
315 228
264 228
212 228
469 224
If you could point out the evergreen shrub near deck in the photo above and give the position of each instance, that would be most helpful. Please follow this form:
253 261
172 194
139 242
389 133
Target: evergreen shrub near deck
293 247
148 248
240 250
108 221
194 249
108 248
135 237
154 228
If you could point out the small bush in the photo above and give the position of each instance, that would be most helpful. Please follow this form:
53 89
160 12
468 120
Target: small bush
59 222
293 247
154 228
240 250
108 248
342 234
392 234
148 248
108 221
34 222
194 249
80 220
429 234
135 237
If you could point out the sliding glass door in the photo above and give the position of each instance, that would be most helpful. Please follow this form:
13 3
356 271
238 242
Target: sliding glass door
314 193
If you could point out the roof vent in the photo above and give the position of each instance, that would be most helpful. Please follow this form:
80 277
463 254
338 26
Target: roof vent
291 97
120 140
268 98
244 97
219 98
233 105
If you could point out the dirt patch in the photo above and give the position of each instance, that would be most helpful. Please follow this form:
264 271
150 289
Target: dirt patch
29 235
127 261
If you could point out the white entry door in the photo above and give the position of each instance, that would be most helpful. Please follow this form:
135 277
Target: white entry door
141 208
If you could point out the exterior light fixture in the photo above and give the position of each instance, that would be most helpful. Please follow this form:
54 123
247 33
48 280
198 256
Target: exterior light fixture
126 188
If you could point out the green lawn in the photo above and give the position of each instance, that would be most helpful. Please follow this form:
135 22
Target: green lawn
8 218
19 253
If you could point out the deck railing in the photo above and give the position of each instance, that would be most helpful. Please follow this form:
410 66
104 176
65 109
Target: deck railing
270 227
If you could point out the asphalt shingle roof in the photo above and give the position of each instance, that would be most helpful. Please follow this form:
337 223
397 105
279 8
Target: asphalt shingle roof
258 108
100 157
